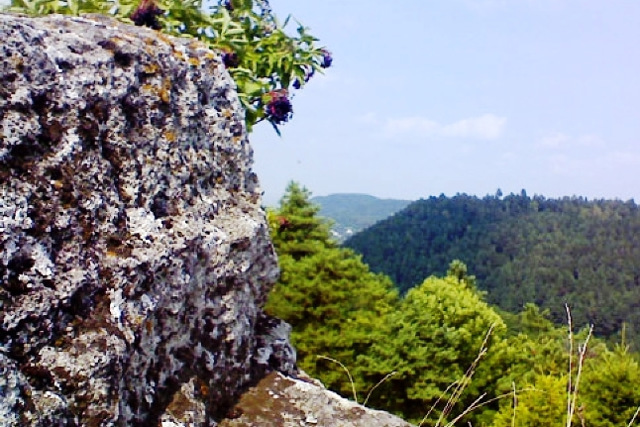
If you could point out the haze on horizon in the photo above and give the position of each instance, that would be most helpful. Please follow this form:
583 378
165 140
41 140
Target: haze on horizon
463 96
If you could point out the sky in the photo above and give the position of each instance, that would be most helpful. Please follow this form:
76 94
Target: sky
430 97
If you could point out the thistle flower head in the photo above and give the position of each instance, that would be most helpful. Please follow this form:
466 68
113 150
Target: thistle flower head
230 59
147 14
278 110
327 59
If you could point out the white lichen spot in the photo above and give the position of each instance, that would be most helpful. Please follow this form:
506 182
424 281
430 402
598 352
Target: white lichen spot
142 222
69 141
63 221
115 306
42 259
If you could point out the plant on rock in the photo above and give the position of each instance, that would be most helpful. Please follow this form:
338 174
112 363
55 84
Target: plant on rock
263 59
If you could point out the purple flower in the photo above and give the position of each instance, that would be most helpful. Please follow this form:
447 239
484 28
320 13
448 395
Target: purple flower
310 72
228 5
327 59
278 110
297 84
230 59
147 14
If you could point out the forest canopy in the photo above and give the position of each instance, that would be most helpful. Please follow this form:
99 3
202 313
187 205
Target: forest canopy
439 354
521 249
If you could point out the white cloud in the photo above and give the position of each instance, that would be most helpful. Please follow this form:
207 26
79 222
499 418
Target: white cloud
487 126
483 127
554 141
561 140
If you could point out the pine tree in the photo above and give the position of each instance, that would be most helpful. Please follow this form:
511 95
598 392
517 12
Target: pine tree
436 337
336 306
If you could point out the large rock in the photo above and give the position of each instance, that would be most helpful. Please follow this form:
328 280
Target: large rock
302 402
134 255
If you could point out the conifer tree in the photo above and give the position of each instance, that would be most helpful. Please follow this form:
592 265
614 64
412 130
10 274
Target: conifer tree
436 337
336 306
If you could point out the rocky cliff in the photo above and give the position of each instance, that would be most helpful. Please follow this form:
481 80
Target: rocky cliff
134 255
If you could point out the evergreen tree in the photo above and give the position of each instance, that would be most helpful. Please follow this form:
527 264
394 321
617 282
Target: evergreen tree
296 229
610 391
336 306
437 336
543 404
522 250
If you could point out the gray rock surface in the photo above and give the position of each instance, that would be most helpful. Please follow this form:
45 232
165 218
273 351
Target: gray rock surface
280 401
134 255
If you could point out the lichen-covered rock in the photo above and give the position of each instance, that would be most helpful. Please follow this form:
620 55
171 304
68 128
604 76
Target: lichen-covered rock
134 255
283 401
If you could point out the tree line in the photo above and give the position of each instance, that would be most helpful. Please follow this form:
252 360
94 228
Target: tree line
522 249
438 353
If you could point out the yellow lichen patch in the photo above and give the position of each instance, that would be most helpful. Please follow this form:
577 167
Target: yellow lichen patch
196 44
113 43
17 62
179 55
147 87
165 91
150 68
165 96
112 252
170 136
117 248
165 39
137 320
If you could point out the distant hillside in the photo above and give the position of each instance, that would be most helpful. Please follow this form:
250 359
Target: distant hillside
522 249
355 212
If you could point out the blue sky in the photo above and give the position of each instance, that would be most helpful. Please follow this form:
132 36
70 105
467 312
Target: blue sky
428 97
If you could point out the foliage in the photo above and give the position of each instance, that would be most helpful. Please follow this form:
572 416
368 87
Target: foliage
336 306
533 346
610 390
296 228
431 348
608 396
541 405
436 337
522 250
263 59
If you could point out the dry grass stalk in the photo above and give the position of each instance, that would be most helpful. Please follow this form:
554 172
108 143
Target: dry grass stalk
353 386
572 389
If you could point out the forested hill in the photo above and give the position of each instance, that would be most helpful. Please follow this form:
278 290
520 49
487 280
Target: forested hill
521 249
352 213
